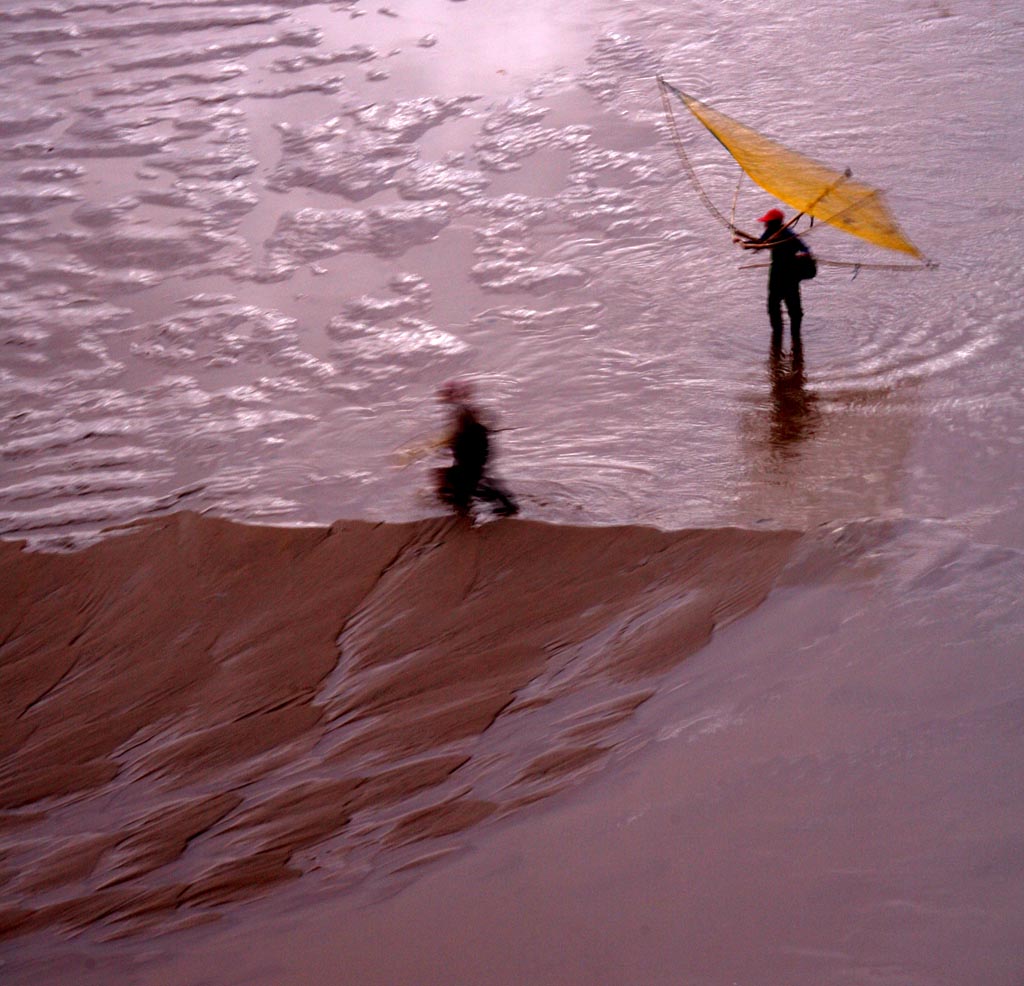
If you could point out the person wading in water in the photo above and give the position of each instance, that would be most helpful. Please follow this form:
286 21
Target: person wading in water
790 262
468 439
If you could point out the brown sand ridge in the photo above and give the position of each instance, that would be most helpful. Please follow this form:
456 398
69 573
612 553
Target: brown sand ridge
195 709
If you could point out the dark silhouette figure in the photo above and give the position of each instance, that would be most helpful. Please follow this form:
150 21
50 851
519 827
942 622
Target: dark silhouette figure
784 275
468 439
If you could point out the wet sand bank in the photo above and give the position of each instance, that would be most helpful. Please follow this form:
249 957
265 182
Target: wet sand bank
198 710
807 798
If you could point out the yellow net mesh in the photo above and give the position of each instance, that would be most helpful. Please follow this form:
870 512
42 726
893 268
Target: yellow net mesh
803 183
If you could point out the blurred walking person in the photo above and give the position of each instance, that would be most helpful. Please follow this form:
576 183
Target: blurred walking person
469 440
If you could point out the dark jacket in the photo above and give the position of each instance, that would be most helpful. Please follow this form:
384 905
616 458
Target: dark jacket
784 245
469 441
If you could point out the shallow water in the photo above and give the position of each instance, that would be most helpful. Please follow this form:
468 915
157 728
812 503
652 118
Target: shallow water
244 244
241 244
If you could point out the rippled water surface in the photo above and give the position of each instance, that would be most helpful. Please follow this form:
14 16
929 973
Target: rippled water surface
243 243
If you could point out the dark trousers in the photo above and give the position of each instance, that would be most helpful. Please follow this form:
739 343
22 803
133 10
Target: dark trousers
458 486
788 293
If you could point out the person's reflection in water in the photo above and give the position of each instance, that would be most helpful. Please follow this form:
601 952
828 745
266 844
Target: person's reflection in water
794 412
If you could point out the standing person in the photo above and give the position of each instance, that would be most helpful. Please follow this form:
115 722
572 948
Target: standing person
468 439
789 255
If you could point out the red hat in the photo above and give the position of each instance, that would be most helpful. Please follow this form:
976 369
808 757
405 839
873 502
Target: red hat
771 215
456 392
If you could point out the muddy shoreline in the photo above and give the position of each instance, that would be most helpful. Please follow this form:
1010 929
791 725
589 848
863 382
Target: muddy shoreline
238 695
